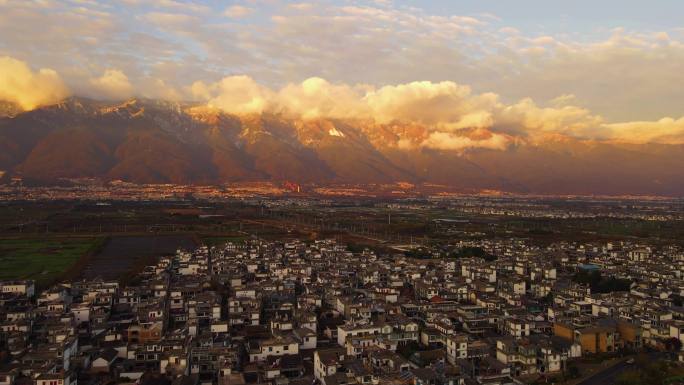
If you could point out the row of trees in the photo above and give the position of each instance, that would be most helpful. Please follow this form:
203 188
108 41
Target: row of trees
463 252
599 283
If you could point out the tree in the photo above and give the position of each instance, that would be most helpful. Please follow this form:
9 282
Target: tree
655 372
599 284
418 253
646 372
408 349
630 377
472 252
573 371
673 344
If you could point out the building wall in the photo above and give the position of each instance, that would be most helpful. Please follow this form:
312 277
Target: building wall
589 342
563 331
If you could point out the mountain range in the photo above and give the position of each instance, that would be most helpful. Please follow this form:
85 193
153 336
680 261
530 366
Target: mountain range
153 141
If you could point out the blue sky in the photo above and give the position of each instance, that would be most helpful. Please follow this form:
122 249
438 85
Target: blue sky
576 16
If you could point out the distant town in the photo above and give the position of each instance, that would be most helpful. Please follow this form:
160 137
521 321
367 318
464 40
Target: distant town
394 195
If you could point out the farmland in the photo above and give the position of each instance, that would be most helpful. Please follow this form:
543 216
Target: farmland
49 259
42 259
120 254
47 241
214 240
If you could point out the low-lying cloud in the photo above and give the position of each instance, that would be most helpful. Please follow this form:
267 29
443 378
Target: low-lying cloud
438 115
234 94
113 84
444 105
27 88
482 139
450 115
665 130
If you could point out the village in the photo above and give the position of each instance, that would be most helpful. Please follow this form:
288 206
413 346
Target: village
295 312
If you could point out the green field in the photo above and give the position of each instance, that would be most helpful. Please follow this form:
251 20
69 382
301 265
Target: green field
221 240
42 259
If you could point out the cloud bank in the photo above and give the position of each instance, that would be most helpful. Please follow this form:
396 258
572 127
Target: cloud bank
113 84
29 89
441 115
666 130
445 115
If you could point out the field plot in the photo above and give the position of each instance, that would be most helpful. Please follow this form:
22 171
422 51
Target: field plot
220 240
121 254
42 259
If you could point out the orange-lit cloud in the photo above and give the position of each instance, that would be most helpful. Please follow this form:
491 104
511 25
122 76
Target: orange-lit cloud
451 142
665 130
113 84
619 73
446 105
235 95
29 89
528 116
439 115
448 116
318 98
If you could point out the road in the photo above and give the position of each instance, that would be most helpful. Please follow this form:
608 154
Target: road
609 375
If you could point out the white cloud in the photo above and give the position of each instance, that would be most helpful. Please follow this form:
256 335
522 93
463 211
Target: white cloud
316 98
567 120
619 77
238 11
665 130
509 30
235 95
169 19
443 115
113 84
183 6
158 89
444 104
451 142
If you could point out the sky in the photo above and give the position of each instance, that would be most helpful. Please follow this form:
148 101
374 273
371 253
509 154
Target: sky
576 65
